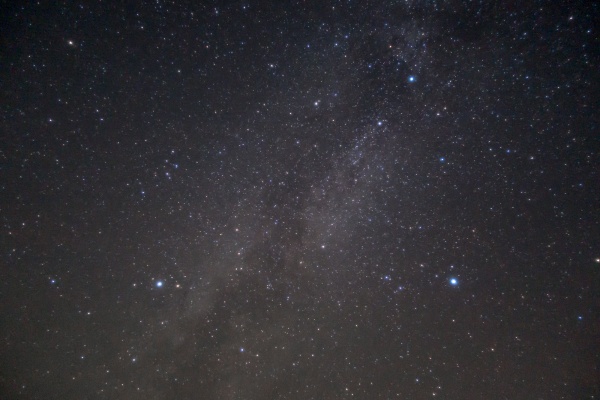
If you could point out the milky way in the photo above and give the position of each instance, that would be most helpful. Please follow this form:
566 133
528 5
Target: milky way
298 200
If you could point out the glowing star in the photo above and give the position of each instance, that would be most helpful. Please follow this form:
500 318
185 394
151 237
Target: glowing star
412 79
453 281
159 284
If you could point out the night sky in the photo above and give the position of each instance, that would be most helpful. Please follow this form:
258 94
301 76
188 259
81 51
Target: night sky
299 200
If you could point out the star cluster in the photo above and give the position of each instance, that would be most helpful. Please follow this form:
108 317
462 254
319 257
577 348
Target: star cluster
297 200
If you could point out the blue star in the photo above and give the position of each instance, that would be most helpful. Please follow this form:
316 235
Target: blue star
412 78
453 281
159 284
442 159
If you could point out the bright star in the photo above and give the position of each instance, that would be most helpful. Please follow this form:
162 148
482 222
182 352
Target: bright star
412 78
159 284
453 281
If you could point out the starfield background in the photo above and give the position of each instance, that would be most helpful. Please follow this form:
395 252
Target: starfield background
299 200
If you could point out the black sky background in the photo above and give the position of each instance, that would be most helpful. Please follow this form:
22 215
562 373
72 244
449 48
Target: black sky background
299 200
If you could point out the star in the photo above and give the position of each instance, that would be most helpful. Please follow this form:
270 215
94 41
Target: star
453 281
159 284
412 78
